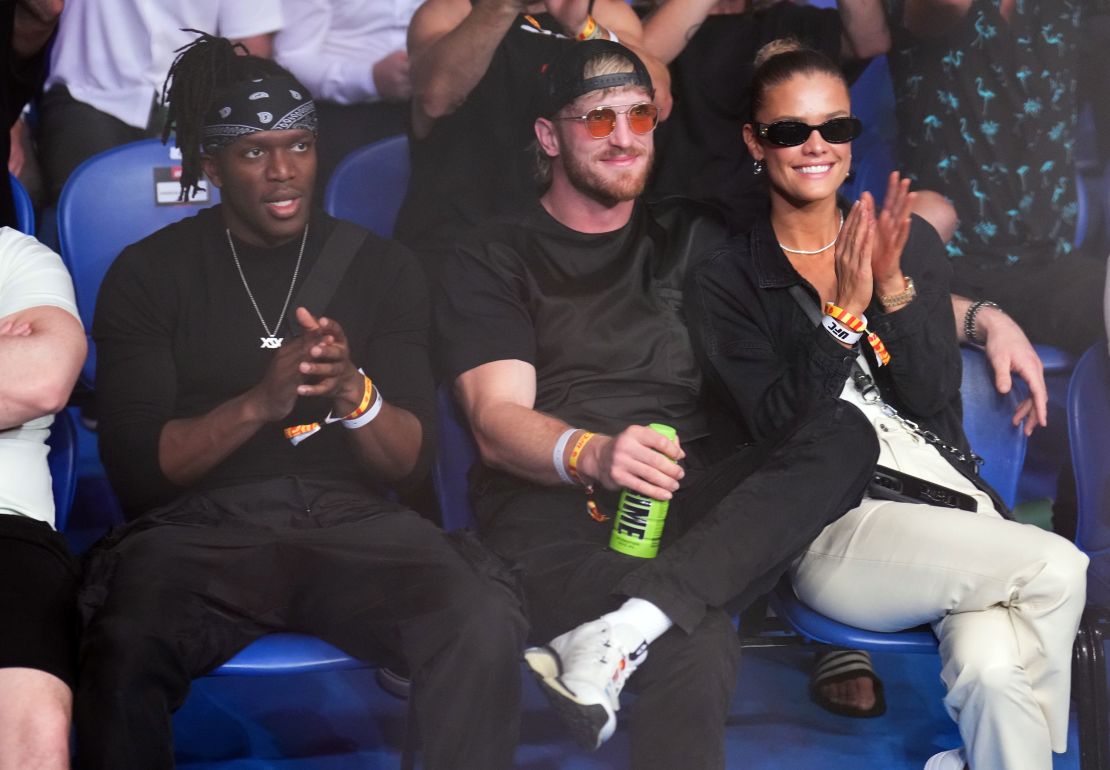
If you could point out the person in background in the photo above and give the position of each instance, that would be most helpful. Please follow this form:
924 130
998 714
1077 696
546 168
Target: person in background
26 27
352 56
107 66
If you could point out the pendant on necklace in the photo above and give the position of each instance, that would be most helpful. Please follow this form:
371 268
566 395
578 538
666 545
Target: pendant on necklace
271 342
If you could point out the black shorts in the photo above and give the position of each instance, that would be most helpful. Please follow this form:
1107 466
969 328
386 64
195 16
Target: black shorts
38 607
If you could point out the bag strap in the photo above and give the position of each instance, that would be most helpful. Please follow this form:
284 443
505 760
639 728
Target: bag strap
322 281
809 307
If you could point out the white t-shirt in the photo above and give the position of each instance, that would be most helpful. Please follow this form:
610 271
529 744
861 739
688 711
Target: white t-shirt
114 54
31 275
332 45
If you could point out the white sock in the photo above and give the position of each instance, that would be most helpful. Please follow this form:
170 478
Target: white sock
642 615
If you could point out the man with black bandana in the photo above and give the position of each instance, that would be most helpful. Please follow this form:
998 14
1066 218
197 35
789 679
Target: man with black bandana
221 370
562 333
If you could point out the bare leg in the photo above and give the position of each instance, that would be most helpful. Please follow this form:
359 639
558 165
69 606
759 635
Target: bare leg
35 711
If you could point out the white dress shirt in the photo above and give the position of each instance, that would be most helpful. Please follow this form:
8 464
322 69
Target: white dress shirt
332 45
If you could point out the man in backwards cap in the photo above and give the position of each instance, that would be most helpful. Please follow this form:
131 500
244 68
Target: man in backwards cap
229 346
563 337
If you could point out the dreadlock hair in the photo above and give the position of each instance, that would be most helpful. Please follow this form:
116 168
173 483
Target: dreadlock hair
203 70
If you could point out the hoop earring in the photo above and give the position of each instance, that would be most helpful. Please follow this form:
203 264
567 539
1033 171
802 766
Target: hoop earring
757 167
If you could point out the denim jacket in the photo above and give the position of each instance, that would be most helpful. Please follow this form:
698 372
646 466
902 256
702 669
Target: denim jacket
769 362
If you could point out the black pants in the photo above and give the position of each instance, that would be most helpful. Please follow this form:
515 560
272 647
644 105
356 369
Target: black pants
183 588
70 132
733 528
1057 303
38 599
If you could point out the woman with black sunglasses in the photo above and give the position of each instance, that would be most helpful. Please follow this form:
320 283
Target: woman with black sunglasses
822 298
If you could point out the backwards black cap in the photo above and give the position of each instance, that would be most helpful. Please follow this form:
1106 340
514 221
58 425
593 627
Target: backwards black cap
562 81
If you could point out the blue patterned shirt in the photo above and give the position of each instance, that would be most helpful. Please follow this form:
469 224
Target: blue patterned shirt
987 117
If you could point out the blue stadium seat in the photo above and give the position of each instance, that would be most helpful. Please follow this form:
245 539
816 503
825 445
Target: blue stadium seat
987 417
63 466
111 201
456 453
24 209
368 186
1089 434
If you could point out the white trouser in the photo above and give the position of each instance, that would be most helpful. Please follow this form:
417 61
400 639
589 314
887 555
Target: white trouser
1003 598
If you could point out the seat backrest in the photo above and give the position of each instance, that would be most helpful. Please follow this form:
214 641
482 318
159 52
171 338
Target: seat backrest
456 453
63 466
1089 435
111 201
24 209
987 422
368 186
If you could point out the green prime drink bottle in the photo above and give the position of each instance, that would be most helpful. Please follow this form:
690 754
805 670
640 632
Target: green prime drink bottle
638 525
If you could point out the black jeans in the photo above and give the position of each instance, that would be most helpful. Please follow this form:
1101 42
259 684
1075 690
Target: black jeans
70 132
1057 303
183 588
733 529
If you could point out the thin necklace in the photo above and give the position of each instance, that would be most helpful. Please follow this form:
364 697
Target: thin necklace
823 248
271 340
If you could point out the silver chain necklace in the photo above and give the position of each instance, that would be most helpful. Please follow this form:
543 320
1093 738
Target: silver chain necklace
271 340
823 248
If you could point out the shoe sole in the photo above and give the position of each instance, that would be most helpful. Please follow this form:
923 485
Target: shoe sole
590 724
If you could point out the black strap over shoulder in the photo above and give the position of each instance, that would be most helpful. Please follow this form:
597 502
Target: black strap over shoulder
326 275
806 302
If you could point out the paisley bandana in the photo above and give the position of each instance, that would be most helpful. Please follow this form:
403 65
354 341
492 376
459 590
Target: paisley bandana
273 103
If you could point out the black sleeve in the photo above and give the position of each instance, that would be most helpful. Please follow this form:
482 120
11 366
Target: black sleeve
767 361
396 354
481 309
136 377
925 365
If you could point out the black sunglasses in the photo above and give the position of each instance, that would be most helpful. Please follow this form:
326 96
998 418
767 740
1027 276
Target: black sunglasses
791 133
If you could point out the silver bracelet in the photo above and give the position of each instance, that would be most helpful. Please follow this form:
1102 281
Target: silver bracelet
557 455
971 331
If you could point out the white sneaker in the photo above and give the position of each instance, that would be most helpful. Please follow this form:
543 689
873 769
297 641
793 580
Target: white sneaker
582 673
953 759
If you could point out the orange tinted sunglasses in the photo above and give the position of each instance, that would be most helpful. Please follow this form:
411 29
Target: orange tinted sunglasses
601 121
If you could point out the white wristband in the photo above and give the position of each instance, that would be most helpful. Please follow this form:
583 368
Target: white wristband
839 331
557 455
370 414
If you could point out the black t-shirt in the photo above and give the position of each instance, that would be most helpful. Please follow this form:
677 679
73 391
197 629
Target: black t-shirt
476 163
598 315
177 335
700 151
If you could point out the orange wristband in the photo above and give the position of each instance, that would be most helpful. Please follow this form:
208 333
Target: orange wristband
857 325
589 31
572 464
